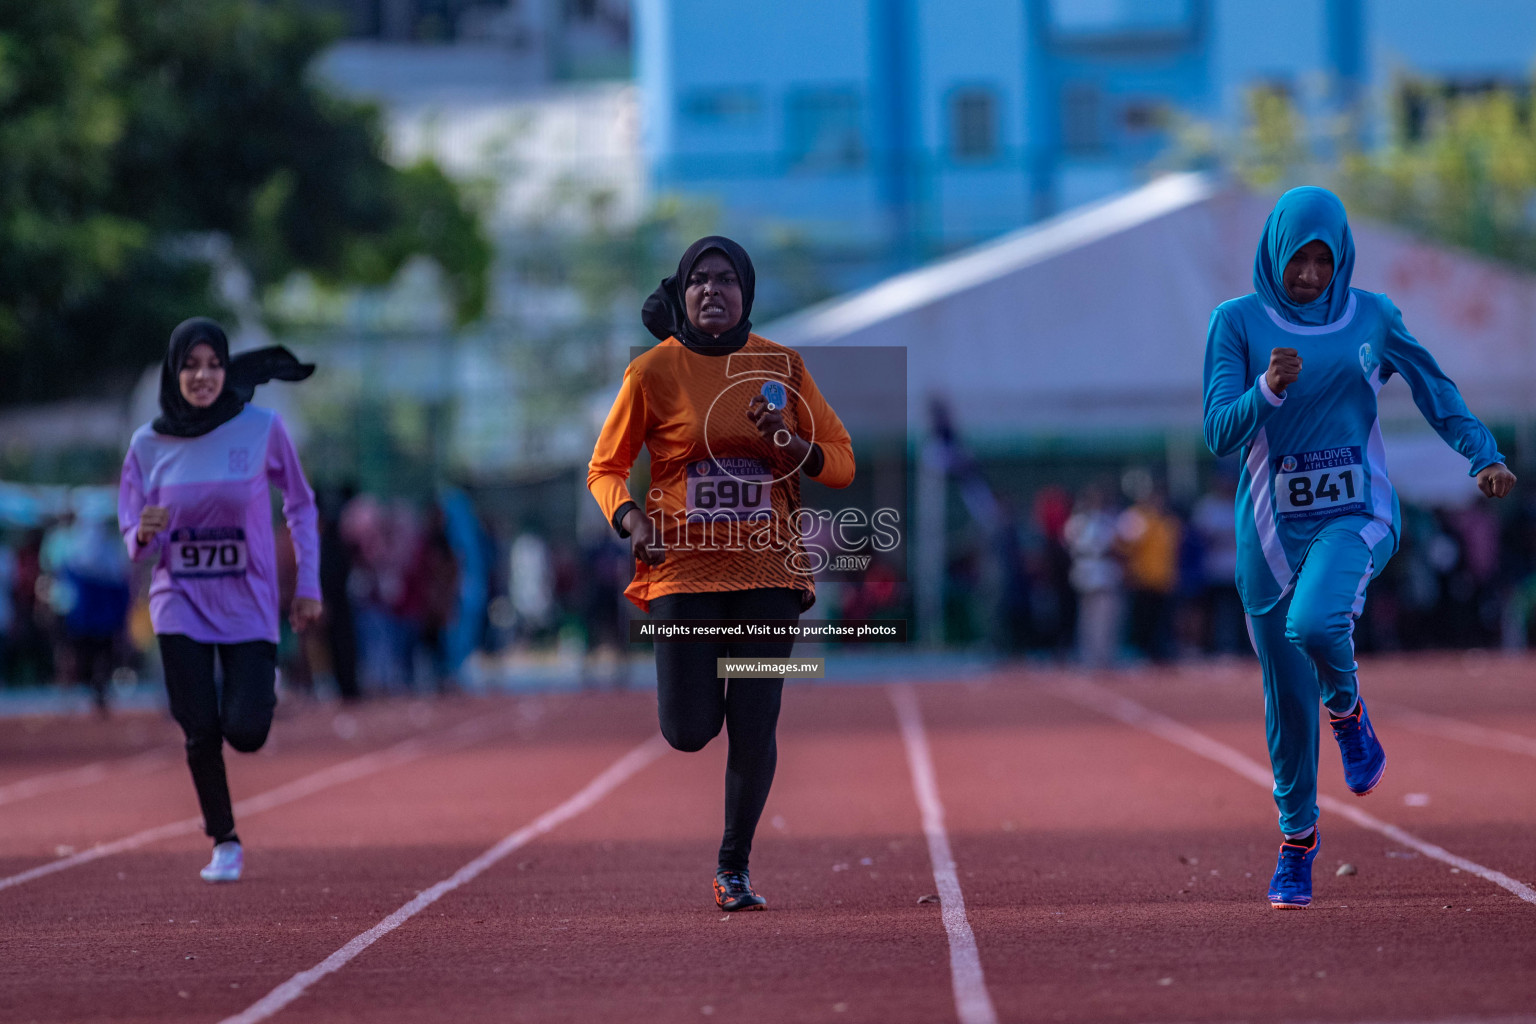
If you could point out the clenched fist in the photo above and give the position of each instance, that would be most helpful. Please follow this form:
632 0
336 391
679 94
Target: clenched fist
1496 480
1284 368
304 613
645 541
152 520
770 426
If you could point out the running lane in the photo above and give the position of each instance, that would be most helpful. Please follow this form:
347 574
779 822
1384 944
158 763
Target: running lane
1112 875
611 918
34 746
1474 799
125 801
138 937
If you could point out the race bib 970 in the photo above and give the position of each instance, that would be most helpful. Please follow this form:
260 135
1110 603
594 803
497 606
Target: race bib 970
729 489
203 551
1321 483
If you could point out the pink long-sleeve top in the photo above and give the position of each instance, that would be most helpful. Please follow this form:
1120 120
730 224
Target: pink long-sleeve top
215 576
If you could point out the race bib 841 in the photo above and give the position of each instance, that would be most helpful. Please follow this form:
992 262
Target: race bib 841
1322 483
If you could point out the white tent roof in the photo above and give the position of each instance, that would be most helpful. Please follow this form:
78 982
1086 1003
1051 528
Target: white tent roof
1094 322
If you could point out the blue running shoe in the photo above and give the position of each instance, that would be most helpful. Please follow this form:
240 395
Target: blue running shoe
1364 760
1291 888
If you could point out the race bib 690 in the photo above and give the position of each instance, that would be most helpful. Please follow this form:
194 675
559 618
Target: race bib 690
729 489
203 551
1321 483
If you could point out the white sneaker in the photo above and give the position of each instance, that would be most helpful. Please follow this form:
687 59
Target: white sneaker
228 860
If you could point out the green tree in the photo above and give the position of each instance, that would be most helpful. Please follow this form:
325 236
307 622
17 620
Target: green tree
1457 168
130 132
1460 169
1272 150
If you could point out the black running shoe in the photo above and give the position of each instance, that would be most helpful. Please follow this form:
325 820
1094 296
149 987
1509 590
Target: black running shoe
734 892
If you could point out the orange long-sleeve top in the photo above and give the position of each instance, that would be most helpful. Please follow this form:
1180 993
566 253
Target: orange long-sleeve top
727 502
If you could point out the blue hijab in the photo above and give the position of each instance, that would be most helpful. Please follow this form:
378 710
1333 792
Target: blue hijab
1305 215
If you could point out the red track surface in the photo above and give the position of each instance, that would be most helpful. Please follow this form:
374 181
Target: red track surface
1108 874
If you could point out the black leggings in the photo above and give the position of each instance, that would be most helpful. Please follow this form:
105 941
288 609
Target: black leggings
693 702
241 714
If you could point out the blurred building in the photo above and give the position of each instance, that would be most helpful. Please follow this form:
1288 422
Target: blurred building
910 127
548 38
548 152
1069 350
1023 340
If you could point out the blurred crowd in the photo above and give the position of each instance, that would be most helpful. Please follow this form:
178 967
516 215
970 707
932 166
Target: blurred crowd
1114 575
420 598
65 603
412 593
417 594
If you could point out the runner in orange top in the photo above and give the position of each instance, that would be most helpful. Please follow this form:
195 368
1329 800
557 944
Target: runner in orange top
731 420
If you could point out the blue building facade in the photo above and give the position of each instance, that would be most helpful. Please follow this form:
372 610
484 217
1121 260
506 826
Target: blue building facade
916 126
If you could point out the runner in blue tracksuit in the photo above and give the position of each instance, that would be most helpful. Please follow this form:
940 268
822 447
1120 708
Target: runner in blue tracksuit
1317 518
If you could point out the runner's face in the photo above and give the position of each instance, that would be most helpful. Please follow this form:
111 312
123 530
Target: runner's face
202 376
713 295
1308 273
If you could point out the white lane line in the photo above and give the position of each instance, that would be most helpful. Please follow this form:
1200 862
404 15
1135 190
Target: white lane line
85 775
973 1004
596 790
1465 732
1097 698
346 771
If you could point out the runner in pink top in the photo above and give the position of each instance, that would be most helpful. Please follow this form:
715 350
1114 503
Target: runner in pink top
195 499
215 577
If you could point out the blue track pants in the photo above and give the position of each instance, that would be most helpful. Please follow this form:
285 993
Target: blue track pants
1306 648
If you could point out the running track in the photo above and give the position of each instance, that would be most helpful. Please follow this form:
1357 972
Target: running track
1101 847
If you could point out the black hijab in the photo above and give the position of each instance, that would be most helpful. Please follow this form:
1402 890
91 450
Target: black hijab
242 373
665 313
